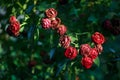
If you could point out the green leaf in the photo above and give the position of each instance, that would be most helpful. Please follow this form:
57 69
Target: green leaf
39 67
92 18
51 53
24 23
97 61
13 77
26 17
21 29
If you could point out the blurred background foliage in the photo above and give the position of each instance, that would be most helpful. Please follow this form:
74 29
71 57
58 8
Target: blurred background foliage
36 53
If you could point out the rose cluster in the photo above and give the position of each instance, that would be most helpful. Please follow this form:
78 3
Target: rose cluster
51 21
14 27
89 53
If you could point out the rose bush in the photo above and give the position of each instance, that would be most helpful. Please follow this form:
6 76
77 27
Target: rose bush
41 49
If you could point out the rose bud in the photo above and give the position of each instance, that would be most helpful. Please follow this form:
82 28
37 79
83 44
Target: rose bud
85 49
51 13
87 62
65 41
46 23
107 25
71 52
93 53
55 23
99 48
13 29
12 19
98 38
32 63
61 29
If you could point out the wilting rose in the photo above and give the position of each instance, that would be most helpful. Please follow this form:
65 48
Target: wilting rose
65 41
13 29
55 23
85 49
87 62
116 26
46 23
115 22
112 25
98 38
99 48
51 13
93 53
71 52
61 29
12 19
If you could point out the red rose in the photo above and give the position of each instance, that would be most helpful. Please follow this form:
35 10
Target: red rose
85 49
65 41
87 62
61 29
51 13
46 23
55 23
99 48
12 19
98 38
71 52
13 29
93 53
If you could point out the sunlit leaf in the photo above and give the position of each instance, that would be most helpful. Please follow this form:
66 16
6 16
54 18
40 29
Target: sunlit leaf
97 61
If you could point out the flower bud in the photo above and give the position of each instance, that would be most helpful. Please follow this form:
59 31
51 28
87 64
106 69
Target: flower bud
71 52
93 53
87 62
12 19
13 29
46 23
61 29
51 13
98 38
65 41
85 49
